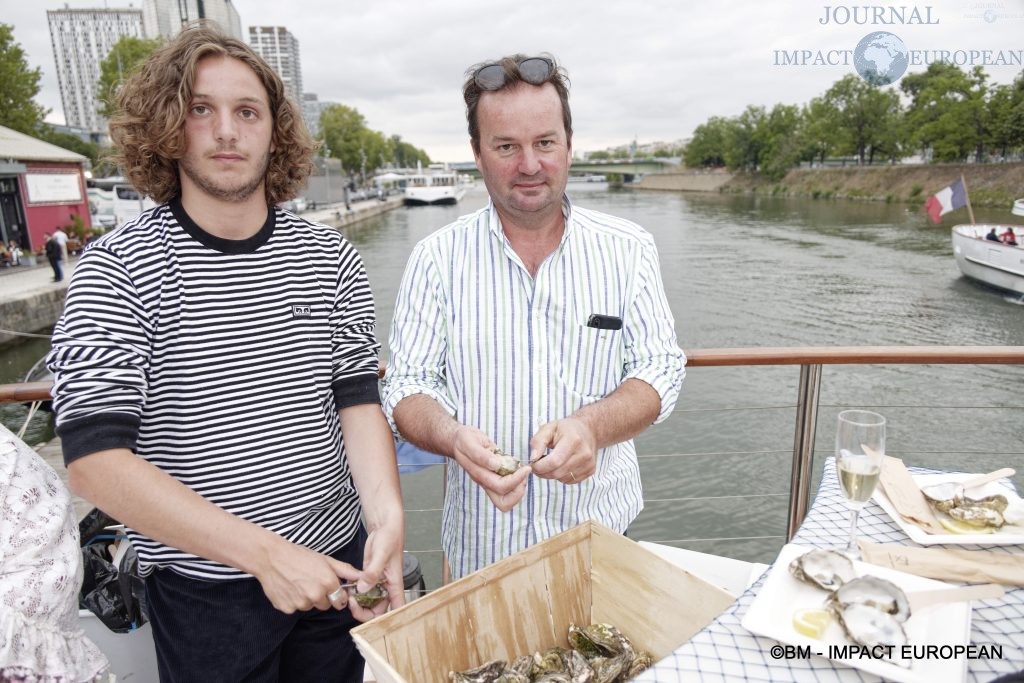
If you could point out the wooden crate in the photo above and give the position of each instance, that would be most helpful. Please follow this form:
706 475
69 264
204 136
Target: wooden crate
525 603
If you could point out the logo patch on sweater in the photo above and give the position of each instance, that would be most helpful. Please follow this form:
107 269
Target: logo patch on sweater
302 311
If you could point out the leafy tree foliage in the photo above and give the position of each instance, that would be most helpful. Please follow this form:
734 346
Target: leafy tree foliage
18 109
1006 125
126 55
867 117
361 149
405 154
950 115
707 146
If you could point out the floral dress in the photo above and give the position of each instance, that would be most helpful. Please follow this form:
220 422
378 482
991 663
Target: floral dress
40 574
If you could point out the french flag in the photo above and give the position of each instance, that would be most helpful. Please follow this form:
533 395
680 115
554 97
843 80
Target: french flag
945 200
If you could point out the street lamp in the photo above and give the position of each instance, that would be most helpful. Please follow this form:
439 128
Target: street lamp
327 172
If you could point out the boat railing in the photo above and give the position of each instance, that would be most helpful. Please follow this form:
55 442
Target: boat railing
810 360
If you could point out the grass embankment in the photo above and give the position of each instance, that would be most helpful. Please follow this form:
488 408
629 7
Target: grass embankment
994 185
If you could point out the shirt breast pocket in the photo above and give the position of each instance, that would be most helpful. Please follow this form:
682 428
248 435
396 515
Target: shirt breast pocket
592 365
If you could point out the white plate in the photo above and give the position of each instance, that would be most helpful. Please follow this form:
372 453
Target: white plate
771 615
1007 535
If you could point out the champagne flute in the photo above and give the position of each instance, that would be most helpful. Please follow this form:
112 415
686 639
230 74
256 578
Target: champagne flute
860 445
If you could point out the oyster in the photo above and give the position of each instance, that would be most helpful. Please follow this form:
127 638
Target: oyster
826 569
578 668
610 669
868 626
510 676
508 464
551 662
641 662
486 673
943 497
523 666
875 593
997 502
372 597
977 515
599 640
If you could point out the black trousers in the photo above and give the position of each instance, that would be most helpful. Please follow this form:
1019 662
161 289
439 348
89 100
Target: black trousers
228 631
58 273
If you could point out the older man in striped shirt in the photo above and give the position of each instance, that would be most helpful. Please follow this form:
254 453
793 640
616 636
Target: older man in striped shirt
532 326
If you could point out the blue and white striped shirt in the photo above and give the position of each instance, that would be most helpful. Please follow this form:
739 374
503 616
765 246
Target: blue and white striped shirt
506 353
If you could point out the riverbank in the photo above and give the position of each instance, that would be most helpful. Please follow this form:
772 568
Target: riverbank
30 301
993 185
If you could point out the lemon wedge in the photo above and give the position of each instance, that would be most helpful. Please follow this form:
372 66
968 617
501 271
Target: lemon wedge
812 622
955 526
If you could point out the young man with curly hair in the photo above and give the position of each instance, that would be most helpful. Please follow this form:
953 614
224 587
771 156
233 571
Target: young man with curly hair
216 382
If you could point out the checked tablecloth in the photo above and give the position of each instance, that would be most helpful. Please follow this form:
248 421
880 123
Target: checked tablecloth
725 651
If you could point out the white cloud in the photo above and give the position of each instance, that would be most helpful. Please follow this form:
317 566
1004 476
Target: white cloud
653 69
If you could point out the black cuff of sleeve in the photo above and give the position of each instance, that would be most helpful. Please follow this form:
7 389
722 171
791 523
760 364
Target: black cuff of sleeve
354 391
94 433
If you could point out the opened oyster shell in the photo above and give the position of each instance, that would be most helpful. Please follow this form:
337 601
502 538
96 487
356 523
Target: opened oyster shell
874 592
826 569
943 497
869 626
997 502
977 515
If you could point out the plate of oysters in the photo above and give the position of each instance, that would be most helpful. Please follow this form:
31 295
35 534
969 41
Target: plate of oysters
990 514
859 615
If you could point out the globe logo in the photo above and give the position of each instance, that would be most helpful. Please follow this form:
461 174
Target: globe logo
880 58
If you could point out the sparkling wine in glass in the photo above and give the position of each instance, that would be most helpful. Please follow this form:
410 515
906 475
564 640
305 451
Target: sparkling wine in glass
860 445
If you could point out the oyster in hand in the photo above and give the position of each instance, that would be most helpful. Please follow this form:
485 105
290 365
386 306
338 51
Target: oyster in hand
508 464
372 597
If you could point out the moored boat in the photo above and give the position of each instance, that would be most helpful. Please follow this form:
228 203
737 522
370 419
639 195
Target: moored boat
995 264
434 188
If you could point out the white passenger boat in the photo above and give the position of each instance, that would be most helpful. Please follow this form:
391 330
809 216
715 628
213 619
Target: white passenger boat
992 263
434 188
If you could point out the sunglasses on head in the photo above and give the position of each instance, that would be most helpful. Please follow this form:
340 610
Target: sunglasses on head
533 70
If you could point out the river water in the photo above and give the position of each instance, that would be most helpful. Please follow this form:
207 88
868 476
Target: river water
745 271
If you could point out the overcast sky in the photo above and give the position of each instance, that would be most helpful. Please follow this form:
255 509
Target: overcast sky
653 70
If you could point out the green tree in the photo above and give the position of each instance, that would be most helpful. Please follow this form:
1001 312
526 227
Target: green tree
126 55
865 115
781 146
18 109
949 112
405 154
745 138
707 146
342 128
1006 118
818 130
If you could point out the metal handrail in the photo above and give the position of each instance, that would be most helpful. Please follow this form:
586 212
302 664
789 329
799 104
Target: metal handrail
810 359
